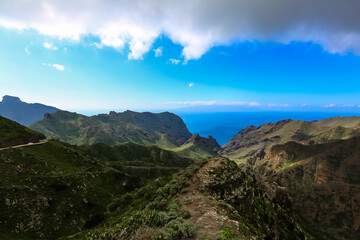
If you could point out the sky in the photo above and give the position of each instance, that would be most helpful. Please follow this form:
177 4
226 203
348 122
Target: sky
199 55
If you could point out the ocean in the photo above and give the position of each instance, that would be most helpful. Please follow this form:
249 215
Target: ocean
223 126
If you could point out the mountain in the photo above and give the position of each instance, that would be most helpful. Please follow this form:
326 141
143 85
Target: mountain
323 181
213 199
12 133
255 140
55 189
22 112
162 129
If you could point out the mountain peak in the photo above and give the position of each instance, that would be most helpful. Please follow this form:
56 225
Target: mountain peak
10 99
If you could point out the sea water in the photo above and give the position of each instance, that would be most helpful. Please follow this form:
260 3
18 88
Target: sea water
224 125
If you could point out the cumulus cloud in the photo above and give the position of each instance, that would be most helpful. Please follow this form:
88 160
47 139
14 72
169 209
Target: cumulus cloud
158 52
217 103
195 25
174 61
49 46
56 66
191 84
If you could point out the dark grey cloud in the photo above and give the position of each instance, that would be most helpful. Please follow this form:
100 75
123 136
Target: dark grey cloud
197 25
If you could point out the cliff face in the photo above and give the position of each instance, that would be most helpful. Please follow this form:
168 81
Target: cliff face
208 144
323 181
163 129
22 112
254 140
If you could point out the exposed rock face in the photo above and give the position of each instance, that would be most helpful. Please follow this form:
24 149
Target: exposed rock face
323 181
22 112
208 144
252 140
163 129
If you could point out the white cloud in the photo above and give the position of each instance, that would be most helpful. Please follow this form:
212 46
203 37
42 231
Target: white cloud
278 105
195 25
217 103
56 66
158 52
348 105
27 51
191 84
174 61
303 105
50 46
330 105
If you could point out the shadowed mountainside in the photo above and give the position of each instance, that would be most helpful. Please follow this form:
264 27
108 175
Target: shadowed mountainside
12 133
212 199
56 189
22 112
323 181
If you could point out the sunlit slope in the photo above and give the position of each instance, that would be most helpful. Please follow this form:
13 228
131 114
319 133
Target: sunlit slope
253 140
162 129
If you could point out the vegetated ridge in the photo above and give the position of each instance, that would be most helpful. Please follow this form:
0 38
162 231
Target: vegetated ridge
162 129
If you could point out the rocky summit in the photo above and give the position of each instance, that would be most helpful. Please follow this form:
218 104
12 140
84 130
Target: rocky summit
22 112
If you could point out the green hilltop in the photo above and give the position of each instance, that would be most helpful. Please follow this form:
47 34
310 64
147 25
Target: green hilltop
162 129
12 133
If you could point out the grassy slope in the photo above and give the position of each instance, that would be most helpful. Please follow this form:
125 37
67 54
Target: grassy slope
322 179
115 128
267 135
56 189
12 133
152 212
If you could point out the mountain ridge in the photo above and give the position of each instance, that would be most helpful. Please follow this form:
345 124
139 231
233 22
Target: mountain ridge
22 112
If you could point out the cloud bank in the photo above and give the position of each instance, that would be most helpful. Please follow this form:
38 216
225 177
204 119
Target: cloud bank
195 25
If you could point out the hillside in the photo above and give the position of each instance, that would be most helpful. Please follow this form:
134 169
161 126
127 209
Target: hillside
323 181
255 140
55 189
12 133
213 199
22 112
162 129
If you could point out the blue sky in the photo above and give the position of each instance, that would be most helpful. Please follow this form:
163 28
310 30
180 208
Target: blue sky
181 70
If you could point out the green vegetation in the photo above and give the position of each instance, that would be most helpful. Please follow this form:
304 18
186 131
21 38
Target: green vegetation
148 212
56 189
162 129
13 133
257 212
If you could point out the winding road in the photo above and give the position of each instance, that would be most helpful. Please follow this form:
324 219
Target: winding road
26 145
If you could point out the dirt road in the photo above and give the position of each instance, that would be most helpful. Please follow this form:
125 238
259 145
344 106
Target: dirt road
26 145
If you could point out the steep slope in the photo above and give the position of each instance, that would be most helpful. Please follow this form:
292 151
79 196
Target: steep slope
255 140
163 129
323 181
139 160
12 133
56 189
214 199
198 147
22 112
